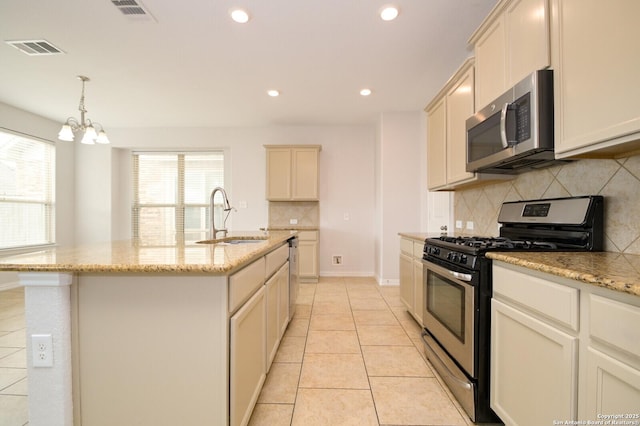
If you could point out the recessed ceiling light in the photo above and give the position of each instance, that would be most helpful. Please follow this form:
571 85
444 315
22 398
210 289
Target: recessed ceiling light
365 92
389 13
273 93
241 16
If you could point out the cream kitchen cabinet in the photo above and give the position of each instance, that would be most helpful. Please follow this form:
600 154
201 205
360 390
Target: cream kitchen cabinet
247 369
512 42
411 285
596 61
613 359
308 249
446 135
561 349
292 172
277 295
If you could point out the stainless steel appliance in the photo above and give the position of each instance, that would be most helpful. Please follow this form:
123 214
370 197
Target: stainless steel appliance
293 275
458 289
514 133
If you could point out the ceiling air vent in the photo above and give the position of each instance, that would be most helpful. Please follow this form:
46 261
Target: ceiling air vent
133 9
35 47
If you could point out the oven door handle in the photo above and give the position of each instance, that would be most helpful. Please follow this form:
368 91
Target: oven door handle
461 276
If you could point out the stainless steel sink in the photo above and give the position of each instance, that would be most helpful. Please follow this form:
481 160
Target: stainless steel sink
232 241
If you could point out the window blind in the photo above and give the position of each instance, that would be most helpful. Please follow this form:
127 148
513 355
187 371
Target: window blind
27 191
171 195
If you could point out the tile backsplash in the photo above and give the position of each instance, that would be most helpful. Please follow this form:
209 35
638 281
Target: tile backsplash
307 213
617 180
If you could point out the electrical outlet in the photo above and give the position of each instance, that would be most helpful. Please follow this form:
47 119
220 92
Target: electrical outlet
336 260
470 225
42 350
346 216
293 221
458 224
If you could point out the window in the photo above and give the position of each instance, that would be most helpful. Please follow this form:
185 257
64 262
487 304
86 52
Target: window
171 195
27 182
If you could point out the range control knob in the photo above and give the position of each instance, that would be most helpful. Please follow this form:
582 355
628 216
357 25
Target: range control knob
455 257
463 259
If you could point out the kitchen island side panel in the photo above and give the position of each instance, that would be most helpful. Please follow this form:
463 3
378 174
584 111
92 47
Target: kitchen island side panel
150 349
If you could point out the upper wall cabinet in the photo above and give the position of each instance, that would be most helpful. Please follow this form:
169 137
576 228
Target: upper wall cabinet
510 44
596 58
446 136
292 172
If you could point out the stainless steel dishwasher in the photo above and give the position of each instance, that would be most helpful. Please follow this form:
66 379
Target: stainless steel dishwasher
293 275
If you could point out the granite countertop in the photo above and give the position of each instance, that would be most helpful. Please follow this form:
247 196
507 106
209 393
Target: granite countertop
139 256
419 236
615 271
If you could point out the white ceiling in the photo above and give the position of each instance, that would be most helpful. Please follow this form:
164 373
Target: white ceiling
193 66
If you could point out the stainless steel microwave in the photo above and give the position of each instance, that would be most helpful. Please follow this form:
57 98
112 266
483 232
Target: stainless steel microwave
514 133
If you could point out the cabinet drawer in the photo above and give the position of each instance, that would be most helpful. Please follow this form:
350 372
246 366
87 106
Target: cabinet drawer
418 249
615 323
406 246
275 259
245 282
308 235
556 302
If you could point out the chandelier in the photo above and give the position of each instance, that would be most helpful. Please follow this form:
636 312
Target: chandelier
85 126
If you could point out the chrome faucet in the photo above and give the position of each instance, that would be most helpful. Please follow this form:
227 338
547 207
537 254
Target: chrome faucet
227 208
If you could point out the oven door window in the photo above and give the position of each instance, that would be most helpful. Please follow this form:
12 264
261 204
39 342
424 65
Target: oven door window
446 302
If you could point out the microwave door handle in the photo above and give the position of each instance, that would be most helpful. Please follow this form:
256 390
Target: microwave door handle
503 126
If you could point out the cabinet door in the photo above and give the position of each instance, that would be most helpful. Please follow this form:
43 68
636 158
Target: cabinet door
459 108
597 68
418 292
491 59
272 289
247 358
406 281
437 145
278 174
305 174
613 387
283 302
533 369
527 38
308 259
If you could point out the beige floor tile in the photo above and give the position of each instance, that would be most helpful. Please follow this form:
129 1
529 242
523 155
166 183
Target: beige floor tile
345 371
374 318
271 415
333 322
396 361
413 401
13 410
11 376
281 384
369 303
302 311
383 335
370 281
345 407
332 342
325 308
298 327
12 323
291 349
14 339
17 359
20 388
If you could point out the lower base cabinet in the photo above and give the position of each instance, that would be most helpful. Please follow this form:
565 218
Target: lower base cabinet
308 245
411 285
277 305
562 352
533 369
247 357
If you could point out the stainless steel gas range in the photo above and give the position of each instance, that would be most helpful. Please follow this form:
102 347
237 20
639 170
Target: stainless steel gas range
458 289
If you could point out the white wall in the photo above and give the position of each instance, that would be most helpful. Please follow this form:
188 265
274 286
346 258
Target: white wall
347 183
399 163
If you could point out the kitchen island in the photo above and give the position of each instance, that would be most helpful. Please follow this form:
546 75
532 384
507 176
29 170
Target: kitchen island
152 335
